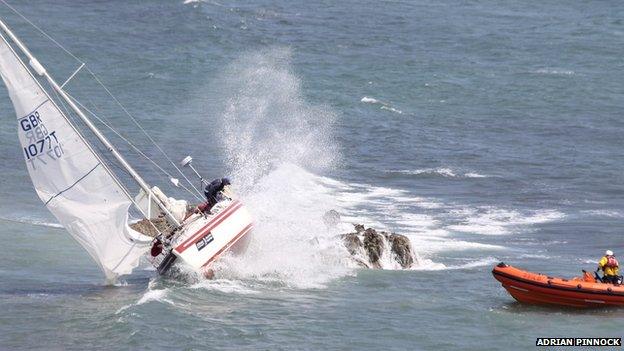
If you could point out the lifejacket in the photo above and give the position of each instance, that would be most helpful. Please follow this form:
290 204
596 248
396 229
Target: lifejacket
612 262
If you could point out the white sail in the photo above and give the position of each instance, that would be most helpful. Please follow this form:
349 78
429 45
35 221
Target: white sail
68 177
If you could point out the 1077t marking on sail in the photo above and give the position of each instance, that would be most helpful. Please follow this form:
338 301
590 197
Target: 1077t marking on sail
37 135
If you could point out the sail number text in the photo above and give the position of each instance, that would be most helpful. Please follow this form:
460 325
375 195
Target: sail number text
40 141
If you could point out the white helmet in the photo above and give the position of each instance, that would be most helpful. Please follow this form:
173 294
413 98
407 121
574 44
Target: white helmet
609 253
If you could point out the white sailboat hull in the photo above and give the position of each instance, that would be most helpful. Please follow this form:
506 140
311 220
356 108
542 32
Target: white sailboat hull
204 239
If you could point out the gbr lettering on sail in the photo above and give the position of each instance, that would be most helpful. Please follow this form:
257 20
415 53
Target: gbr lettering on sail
40 144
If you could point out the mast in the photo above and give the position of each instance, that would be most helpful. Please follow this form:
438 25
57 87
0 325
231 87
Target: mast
40 70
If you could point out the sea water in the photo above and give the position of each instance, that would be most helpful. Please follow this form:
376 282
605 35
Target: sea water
485 131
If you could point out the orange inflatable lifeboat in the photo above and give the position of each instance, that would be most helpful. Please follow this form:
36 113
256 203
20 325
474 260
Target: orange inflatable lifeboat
536 288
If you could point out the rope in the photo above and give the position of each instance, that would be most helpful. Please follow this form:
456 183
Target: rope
41 31
114 98
107 157
129 143
69 114
143 130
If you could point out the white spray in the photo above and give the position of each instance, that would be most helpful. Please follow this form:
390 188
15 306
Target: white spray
273 140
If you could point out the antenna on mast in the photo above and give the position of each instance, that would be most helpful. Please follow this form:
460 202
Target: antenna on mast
188 161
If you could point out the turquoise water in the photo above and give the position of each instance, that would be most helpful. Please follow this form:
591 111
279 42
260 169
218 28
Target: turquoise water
485 131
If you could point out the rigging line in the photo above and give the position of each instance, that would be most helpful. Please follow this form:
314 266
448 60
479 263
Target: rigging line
41 31
101 120
102 154
61 47
72 75
134 120
105 156
66 110
108 124
130 143
134 147
56 93
107 90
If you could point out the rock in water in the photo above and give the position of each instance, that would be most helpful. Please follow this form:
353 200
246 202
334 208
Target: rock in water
402 249
354 245
352 242
372 244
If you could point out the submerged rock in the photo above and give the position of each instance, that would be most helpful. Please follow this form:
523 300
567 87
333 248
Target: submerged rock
368 247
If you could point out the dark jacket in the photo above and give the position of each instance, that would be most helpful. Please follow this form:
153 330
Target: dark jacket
211 190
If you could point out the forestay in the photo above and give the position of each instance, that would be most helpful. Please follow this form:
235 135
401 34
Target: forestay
68 176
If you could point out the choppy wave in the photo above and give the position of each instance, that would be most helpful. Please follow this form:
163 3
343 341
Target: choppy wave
154 295
225 286
604 213
296 215
370 100
497 221
590 261
151 295
474 175
33 221
384 105
442 171
557 72
391 109
538 256
428 265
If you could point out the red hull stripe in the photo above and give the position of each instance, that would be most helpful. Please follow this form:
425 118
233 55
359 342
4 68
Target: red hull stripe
223 215
232 242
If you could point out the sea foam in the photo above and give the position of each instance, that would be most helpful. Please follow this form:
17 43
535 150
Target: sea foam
441 171
489 220
276 143
274 140
384 105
